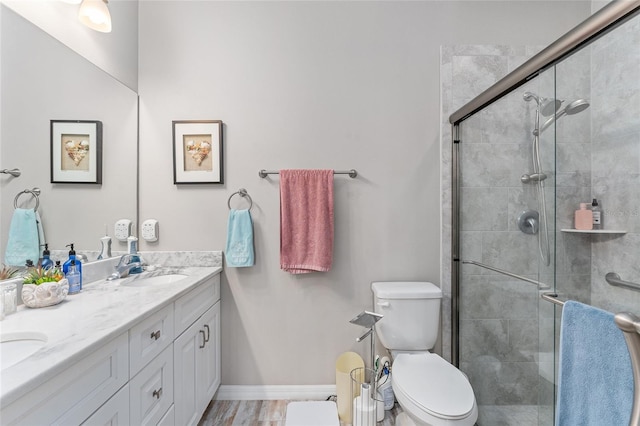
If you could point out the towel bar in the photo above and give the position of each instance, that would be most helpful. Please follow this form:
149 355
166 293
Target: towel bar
352 173
541 286
12 172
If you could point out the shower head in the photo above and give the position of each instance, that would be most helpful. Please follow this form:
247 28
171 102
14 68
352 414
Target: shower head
547 106
572 108
575 107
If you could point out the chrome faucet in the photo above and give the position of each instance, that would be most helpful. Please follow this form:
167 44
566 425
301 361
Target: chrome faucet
124 266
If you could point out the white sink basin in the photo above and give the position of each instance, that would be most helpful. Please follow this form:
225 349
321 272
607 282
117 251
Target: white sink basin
16 346
154 280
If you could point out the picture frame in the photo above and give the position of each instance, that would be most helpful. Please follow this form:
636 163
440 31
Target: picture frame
76 151
197 152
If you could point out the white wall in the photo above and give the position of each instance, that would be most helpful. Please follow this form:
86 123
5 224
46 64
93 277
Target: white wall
311 85
115 52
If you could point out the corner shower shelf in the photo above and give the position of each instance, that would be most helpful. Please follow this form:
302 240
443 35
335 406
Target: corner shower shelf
596 231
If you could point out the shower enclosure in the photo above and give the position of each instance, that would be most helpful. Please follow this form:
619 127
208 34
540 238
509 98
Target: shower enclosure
561 130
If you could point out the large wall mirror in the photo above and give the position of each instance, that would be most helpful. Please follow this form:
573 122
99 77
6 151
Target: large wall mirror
43 80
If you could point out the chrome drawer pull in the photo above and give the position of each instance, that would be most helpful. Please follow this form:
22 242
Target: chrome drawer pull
206 339
155 335
157 393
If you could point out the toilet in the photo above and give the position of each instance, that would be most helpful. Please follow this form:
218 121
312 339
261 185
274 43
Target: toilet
429 389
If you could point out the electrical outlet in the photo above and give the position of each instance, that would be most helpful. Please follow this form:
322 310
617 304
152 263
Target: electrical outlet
150 230
122 229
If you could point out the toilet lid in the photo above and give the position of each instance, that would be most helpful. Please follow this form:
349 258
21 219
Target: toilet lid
432 383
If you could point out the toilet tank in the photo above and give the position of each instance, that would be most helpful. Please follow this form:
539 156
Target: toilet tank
411 312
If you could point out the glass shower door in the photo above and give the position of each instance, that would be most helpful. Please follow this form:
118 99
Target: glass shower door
506 336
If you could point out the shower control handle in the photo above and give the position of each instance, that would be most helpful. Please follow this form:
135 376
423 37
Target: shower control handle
533 177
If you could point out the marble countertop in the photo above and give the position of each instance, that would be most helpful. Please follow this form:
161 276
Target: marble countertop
83 322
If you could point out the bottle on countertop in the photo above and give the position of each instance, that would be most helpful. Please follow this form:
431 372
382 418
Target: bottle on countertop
132 243
105 250
583 218
596 211
30 266
73 276
67 264
46 263
57 270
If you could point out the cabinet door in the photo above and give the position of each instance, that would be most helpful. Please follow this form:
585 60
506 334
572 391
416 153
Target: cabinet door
208 360
152 390
185 353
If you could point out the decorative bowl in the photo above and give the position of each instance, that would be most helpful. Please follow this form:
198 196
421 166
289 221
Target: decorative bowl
45 294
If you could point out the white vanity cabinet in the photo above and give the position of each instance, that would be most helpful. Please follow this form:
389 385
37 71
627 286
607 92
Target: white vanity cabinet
73 395
197 355
162 371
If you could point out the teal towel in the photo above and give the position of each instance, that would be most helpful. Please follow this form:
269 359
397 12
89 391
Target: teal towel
239 250
23 241
595 379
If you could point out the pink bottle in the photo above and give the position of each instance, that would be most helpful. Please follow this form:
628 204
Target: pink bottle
584 218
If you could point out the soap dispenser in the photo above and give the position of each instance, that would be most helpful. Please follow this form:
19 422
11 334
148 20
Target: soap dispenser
47 263
77 263
74 278
132 243
583 218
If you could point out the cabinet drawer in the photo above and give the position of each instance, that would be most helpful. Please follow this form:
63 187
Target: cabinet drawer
148 338
115 412
73 395
193 304
152 390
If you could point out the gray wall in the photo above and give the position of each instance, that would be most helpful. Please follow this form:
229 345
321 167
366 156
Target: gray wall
615 164
311 85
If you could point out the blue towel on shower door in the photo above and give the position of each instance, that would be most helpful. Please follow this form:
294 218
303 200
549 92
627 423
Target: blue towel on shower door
23 242
239 250
595 379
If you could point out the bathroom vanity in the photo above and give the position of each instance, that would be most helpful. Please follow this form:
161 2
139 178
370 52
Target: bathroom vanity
139 351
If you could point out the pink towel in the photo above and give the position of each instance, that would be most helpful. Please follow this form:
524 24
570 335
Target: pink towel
306 220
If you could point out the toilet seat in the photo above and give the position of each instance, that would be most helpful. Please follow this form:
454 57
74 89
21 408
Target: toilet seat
429 384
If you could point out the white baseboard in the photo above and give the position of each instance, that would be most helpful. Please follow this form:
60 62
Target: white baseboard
274 392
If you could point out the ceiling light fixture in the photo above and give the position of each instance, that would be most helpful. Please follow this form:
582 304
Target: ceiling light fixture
95 15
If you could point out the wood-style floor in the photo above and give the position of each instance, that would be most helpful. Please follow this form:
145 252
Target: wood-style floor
261 413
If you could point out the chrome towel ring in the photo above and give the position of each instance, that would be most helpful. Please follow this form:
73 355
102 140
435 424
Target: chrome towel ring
243 193
34 192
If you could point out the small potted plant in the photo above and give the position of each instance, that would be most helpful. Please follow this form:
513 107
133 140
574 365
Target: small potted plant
44 287
7 272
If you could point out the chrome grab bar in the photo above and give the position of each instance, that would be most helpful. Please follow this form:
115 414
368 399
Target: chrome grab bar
614 280
541 286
